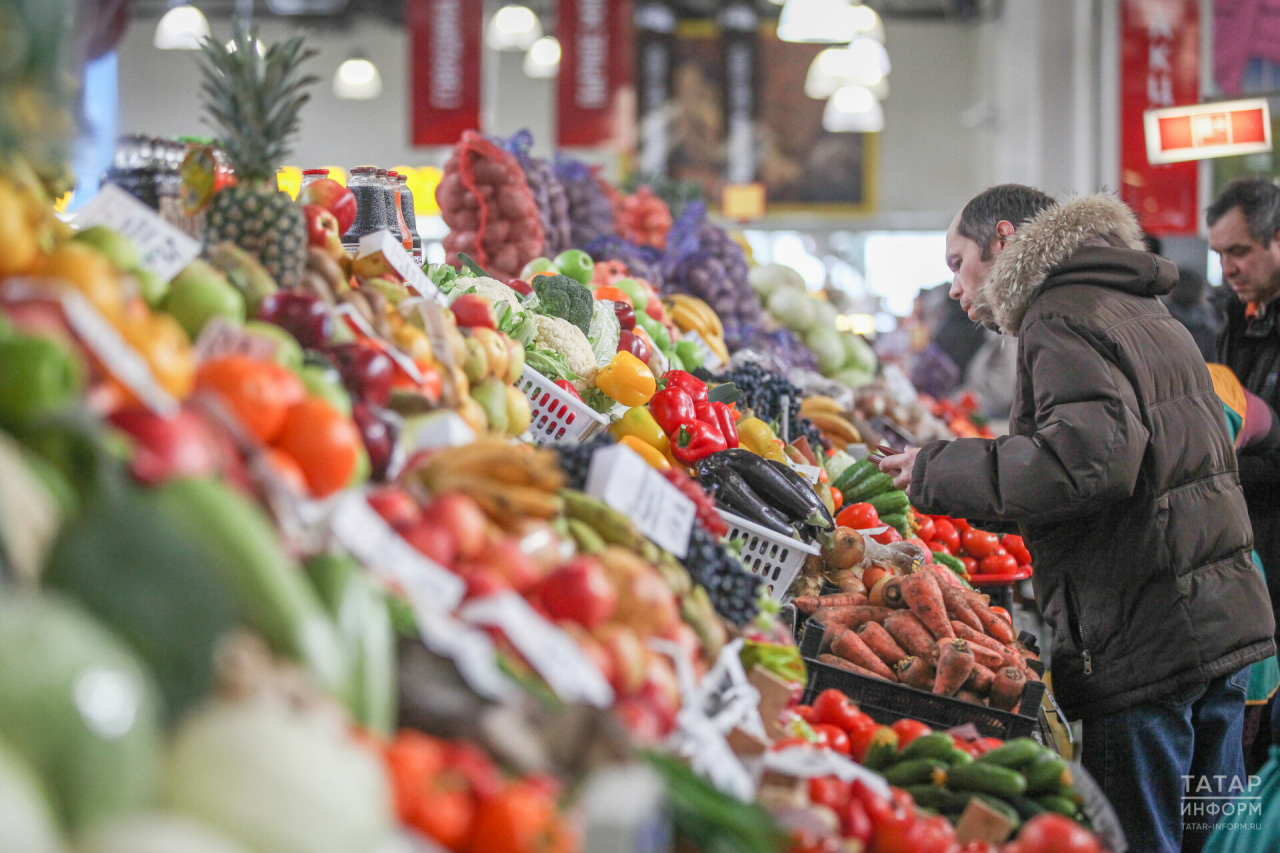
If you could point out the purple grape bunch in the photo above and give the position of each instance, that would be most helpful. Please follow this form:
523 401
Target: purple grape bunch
548 193
590 211
703 261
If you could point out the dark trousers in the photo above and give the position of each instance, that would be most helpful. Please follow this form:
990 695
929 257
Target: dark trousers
1157 763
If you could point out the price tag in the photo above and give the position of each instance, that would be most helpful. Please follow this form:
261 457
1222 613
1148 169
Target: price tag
550 651
162 248
380 549
807 762
470 649
358 323
220 337
438 429
400 260
433 322
623 480
809 472
710 360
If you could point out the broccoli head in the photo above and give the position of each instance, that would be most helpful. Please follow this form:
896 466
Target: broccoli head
561 296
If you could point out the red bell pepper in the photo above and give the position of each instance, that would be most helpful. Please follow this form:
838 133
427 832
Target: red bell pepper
721 417
696 440
687 382
566 386
672 408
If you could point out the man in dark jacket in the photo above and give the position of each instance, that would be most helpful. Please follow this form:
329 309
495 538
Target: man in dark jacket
1244 229
1120 472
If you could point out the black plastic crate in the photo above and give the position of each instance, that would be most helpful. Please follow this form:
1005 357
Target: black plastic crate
887 702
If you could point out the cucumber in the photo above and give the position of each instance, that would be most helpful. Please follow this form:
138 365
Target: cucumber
883 749
1059 804
952 563
935 745
1027 807
898 521
1015 753
938 799
956 756
868 488
1047 776
1004 808
987 779
891 503
853 475
915 772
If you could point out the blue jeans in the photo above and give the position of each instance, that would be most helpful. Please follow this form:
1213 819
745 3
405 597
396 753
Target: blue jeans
1148 757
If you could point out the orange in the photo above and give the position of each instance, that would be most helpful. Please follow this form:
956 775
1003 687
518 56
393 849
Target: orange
259 393
287 470
325 444
164 345
88 271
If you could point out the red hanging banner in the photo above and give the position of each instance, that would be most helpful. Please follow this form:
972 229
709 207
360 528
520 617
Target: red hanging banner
444 43
1160 67
595 68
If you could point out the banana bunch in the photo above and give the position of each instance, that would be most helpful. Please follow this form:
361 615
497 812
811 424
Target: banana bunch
828 416
510 482
691 314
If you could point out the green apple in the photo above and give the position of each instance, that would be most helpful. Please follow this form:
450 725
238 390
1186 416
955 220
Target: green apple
324 382
200 293
151 287
576 264
37 374
118 248
537 265
634 289
289 351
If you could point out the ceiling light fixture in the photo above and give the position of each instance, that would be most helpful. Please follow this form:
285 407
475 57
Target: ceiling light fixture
853 109
357 79
543 58
181 28
513 28
817 21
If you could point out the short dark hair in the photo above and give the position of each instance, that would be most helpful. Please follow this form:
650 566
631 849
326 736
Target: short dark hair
1259 201
1013 202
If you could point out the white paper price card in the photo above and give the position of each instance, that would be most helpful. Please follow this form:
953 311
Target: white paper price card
470 649
622 479
221 337
162 248
400 261
809 472
807 762
550 651
710 360
380 549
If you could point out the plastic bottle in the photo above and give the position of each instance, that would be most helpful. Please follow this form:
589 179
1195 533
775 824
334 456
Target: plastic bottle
371 205
410 218
312 175
397 185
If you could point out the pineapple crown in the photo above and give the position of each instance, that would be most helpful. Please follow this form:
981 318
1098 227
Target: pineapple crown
254 99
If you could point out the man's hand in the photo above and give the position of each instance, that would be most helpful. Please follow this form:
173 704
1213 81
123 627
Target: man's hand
899 466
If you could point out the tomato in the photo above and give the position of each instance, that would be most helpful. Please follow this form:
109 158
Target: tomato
937 547
325 444
1054 833
1002 613
287 470
889 536
788 742
945 532
521 819
444 816
854 821
1015 546
990 743
909 730
837 497
979 543
872 575
897 832
960 524
806 713
976 846
829 791
997 564
970 565
834 708
862 516
804 840
860 739
834 737
258 393
934 835
926 527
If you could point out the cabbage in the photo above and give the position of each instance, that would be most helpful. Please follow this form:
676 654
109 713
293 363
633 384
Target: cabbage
793 308
605 332
26 819
825 343
824 314
767 278
854 377
155 833
858 353
836 463
278 780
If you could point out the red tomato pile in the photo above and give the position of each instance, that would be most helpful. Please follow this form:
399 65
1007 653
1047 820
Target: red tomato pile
981 552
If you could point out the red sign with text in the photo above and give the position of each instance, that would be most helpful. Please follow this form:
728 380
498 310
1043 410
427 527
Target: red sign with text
595 70
444 45
1159 67
1225 129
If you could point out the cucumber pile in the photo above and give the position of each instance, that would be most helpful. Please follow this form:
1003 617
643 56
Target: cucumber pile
1020 779
864 482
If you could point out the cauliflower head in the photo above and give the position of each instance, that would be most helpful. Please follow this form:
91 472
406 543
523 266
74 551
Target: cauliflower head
490 288
556 333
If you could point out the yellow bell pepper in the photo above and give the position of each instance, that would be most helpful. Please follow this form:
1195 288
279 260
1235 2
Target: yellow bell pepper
638 421
647 452
756 436
627 379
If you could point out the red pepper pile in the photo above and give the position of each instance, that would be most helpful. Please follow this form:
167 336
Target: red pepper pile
981 552
696 427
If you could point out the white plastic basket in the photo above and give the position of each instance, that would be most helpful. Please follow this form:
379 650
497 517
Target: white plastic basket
557 417
770 556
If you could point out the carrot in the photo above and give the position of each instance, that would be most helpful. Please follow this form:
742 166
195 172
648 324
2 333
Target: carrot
979 680
968 696
850 616
920 591
811 603
964 632
832 660
955 662
1015 660
991 623
1006 688
907 630
958 607
891 592
916 672
881 642
849 646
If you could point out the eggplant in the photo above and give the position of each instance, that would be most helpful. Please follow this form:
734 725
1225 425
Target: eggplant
823 521
777 485
733 493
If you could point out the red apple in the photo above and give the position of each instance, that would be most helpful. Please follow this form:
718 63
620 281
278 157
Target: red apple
471 310
367 372
179 446
641 719
630 660
433 540
591 647
580 592
334 197
462 517
396 506
483 581
504 557
520 286
661 687
322 226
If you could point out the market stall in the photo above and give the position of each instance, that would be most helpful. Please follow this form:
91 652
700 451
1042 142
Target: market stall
308 546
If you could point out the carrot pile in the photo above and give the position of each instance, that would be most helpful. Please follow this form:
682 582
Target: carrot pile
929 634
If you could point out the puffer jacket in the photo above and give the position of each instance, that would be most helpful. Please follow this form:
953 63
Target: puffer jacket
1119 469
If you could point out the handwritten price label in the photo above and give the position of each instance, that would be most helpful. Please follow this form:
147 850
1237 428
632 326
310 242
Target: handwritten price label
220 337
400 260
623 480
162 248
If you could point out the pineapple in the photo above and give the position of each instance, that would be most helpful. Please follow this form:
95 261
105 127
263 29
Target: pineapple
254 99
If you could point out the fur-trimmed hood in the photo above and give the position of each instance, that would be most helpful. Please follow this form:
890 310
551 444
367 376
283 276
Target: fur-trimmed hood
1046 242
